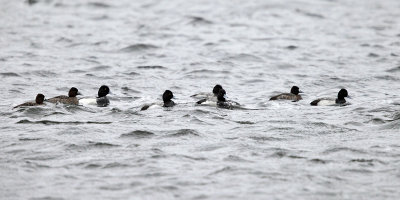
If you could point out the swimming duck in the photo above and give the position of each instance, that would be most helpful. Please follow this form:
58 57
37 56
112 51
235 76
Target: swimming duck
203 95
38 101
293 95
223 103
167 101
101 100
209 98
70 99
167 96
331 101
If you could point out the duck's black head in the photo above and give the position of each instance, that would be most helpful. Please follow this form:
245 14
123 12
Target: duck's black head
342 94
221 95
73 92
295 90
216 89
39 98
103 91
167 96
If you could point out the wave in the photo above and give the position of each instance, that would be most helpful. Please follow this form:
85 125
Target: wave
138 47
50 122
184 132
9 74
137 134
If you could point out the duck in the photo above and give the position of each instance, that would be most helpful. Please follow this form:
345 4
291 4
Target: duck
223 103
167 101
209 98
70 99
293 95
101 100
203 95
167 96
340 101
38 102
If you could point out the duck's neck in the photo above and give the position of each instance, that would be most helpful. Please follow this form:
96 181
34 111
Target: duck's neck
167 101
340 100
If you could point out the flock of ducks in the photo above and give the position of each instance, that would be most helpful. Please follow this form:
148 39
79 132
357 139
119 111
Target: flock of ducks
216 98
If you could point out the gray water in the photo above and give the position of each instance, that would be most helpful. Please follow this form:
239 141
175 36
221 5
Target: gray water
254 49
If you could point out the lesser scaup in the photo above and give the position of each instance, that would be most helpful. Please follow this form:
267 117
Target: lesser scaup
101 100
167 96
167 101
38 101
331 101
210 98
293 95
223 103
70 99
203 95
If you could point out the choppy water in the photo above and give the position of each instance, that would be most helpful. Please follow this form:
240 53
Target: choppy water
255 49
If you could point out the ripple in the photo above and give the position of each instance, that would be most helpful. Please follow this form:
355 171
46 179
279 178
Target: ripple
291 47
132 73
210 147
138 47
184 132
92 166
46 197
78 71
101 145
101 68
151 67
127 89
43 73
246 58
373 55
395 69
244 122
232 158
368 161
49 122
116 165
9 74
98 5
309 14
137 134
29 139
91 145
318 161
64 39
207 71
361 171
266 138
345 149
396 116
279 153
223 170
195 20
387 77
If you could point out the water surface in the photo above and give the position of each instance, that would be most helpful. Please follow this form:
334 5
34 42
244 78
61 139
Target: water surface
254 49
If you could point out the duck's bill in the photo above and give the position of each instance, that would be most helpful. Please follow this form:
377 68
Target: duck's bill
79 93
301 91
